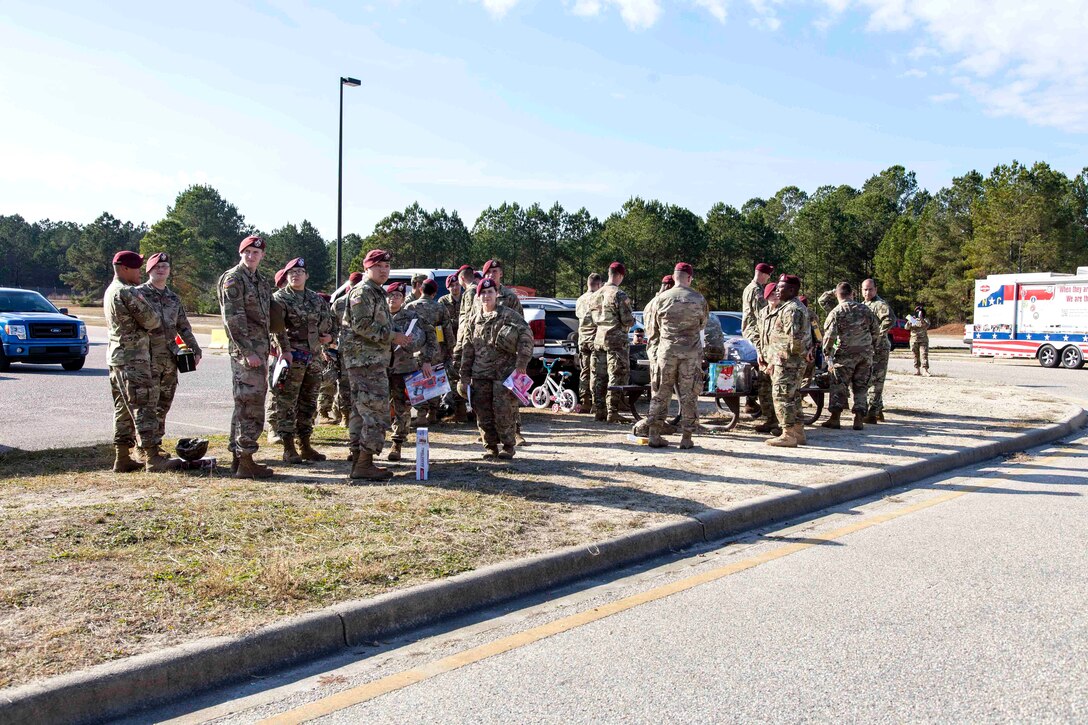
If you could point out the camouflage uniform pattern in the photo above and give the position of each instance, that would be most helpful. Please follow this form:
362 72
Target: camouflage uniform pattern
713 340
587 331
881 351
752 303
366 336
651 344
306 318
786 338
164 346
453 309
436 316
850 331
494 346
244 298
129 318
405 361
919 342
764 392
610 308
675 321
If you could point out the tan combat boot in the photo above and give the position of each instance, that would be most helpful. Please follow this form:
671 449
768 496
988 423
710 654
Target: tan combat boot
685 441
365 469
656 441
667 428
768 425
233 463
788 439
616 417
507 452
156 462
799 434
917 371
123 462
833 420
519 439
491 452
290 455
880 416
394 451
249 468
307 451
859 421
871 419
600 414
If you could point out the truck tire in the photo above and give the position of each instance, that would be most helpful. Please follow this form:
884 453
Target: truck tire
1048 356
73 365
1071 358
5 364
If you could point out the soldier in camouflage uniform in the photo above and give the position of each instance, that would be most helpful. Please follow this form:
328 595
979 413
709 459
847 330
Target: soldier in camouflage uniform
587 330
497 342
785 351
406 360
244 298
850 332
452 302
674 322
918 325
341 404
417 287
611 310
752 302
330 370
129 318
764 391
308 326
506 297
886 317
164 347
366 341
437 317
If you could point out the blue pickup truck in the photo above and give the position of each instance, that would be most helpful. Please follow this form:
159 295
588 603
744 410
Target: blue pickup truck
32 330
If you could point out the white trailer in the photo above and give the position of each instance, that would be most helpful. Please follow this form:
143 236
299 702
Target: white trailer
1041 315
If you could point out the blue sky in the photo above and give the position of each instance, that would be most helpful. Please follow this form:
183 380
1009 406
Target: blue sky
465 103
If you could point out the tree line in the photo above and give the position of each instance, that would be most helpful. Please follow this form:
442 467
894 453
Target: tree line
921 247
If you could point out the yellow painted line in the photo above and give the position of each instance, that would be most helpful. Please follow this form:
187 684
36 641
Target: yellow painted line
390 683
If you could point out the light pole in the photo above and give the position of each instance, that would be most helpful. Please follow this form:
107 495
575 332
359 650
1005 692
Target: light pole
340 178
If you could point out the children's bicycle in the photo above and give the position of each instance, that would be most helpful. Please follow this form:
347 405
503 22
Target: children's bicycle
552 392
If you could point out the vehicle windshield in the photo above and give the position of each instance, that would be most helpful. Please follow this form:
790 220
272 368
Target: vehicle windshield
730 325
24 301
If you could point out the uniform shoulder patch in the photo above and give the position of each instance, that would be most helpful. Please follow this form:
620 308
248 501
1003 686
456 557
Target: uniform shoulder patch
229 282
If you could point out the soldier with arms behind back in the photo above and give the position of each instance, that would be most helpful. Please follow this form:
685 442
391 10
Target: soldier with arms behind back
886 318
612 315
785 352
850 332
587 330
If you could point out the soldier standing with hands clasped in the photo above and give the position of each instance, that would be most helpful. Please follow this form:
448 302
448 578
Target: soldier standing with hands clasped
164 347
674 323
886 318
308 324
850 332
785 352
244 298
129 318
587 330
752 303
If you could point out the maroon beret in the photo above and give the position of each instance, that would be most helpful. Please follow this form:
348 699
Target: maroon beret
155 259
683 267
277 279
618 268
128 259
667 279
296 262
395 288
486 284
450 280
491 264
374 256
429 286
251 241
790 279
765 268
355 277
768 290
803 300
463 267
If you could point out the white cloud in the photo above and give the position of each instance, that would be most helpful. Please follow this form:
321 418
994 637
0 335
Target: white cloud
913 73
498 8
717 8
944 97
1025 60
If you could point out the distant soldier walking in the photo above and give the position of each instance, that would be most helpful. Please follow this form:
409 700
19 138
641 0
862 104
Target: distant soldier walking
611 310
587 330
886 318
244 298
918 324
785 352
173 322
850 333
674 326
308 325
129 318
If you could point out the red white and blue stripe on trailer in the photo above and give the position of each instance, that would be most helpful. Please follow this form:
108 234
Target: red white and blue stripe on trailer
1007 344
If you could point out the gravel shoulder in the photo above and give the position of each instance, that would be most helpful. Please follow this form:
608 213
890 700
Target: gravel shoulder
96 566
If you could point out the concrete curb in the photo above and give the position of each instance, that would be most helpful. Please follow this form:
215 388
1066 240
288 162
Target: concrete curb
128 685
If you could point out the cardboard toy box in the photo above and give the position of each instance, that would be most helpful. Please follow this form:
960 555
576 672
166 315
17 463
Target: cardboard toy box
423 454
